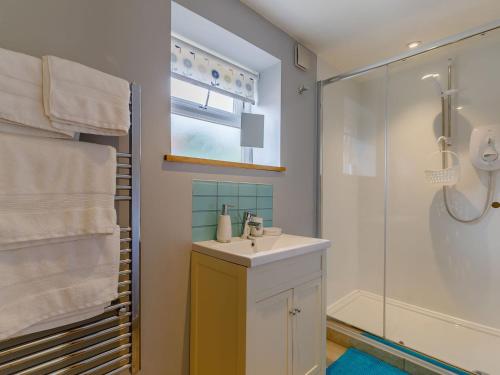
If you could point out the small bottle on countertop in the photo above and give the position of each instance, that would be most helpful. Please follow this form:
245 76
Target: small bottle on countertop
224 228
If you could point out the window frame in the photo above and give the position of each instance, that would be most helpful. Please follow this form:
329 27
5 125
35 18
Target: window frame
194 110
187 108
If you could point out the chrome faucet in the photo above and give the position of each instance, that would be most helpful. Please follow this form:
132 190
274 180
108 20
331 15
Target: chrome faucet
247 223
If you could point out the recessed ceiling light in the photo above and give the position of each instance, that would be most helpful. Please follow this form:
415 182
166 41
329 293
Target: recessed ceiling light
460 107
414 44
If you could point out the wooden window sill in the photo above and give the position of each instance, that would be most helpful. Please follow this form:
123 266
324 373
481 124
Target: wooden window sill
221 163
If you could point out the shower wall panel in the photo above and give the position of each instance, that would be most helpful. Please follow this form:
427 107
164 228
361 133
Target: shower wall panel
353 195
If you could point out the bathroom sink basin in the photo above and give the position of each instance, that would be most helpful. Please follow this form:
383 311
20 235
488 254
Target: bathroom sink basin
261 250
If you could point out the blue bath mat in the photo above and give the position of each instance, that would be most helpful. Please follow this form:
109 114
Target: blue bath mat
416 354
355 362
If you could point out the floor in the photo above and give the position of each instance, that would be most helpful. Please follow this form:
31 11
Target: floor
430 332
333 352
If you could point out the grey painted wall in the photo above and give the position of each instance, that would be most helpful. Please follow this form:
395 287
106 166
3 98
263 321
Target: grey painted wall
130 38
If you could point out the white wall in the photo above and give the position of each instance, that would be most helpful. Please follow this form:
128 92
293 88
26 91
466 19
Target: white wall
269 105
432 261
371 187
353 192
339 221
130 39
325 69
353 184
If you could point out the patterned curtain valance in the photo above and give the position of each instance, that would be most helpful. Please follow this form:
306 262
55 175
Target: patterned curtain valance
194 65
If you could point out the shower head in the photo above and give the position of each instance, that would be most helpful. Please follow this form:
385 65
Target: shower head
434 77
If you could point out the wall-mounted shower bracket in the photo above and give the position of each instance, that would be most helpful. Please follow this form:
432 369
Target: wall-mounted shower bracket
483 152
443 142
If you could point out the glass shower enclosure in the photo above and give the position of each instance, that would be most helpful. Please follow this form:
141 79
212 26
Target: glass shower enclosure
409 160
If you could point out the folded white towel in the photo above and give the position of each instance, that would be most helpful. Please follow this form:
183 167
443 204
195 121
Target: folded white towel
51 189
21 103
81 99
64 319
42 283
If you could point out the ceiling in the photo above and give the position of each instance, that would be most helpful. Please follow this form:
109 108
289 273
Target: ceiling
197 30
353 33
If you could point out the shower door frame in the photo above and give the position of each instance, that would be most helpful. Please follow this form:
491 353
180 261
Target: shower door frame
360 71
416 51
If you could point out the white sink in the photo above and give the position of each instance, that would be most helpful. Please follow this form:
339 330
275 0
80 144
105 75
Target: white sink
261 250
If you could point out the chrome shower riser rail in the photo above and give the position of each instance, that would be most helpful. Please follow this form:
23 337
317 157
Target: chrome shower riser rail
417 51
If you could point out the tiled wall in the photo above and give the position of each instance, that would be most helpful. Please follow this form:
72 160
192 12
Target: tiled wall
209 196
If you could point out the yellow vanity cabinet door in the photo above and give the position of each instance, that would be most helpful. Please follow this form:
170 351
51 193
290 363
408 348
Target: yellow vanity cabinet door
267 320
270 336
308 331
218 317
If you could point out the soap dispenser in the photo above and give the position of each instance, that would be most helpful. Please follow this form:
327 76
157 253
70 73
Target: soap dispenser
224 229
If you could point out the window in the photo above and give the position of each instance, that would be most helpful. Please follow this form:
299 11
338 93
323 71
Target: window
205 123
209 96
199 95
216 77
193 101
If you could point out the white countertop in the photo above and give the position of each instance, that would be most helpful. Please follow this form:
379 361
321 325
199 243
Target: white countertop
261 250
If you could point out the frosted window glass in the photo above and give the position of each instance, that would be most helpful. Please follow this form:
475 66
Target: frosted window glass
202 139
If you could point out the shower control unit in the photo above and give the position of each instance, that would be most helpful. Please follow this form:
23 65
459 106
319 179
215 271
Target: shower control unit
483 148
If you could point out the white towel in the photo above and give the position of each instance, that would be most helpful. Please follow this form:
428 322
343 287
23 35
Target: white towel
21 103
81 99
64 319
45 282
51 189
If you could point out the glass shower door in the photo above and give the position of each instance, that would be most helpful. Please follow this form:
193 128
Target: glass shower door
443 276
408 262
353 194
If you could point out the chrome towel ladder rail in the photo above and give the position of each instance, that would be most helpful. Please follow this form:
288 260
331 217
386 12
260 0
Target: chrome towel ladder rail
108 343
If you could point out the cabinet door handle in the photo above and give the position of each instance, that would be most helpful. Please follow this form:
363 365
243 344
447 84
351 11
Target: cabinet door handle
295 311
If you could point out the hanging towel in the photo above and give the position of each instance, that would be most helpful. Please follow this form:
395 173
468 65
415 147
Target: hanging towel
21 105
43 283
81 99
51 189
64 319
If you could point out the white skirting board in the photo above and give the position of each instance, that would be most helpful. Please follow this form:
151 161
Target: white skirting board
462 343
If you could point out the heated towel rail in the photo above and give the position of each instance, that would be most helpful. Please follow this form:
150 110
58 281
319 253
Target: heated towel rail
110 342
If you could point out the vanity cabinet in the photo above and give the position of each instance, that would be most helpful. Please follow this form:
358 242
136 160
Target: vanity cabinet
263 320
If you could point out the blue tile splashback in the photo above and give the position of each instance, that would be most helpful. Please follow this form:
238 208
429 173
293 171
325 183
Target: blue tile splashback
209 196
